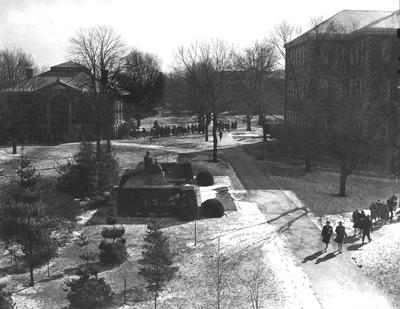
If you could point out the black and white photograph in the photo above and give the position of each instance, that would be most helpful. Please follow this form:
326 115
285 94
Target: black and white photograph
187 154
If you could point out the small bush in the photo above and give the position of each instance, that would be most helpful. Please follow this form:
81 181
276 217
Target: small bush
113 233
5 299
111 220
204 179
88 291
212 208
113 252
125 128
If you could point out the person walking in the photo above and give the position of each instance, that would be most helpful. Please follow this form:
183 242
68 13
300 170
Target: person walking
356 221
326 234
340 235
366 225
391 204
220 135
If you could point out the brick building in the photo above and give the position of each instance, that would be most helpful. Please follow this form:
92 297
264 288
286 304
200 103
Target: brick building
363 41
351 57
56 106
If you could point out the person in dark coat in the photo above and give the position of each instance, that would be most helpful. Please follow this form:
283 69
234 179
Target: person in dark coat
340 235
220 135
356 221
384 211
148 162
366 225
391 204
326 234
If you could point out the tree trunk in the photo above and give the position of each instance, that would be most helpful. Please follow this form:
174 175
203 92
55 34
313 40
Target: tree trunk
307 162
342 181
248 121
155 298
98 144
14 146
208 120
108 144
32 281
261 118
215 140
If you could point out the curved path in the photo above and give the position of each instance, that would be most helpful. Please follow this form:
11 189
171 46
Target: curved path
334 278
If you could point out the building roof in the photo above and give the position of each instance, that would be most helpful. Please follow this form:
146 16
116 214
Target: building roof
67 65
348 21
351 21
391 21
69 74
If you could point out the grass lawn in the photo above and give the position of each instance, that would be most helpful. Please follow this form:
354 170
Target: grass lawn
319 189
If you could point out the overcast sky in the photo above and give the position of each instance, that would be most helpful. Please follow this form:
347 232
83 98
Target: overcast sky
43 27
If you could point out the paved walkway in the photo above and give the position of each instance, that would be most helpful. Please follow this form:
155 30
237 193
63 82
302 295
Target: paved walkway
336 281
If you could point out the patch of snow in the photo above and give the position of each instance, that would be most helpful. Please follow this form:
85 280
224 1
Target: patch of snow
295 284
85 217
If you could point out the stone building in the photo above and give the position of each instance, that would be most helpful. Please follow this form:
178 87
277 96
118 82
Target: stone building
352 56
56 104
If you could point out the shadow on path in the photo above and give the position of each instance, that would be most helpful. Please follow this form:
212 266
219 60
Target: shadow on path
354 247
288 212
326 257
312 256
352 239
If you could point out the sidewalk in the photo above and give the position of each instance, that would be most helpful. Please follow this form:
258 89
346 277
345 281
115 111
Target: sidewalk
336 281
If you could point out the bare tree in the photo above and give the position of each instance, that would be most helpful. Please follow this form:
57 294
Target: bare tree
283 34
204 67
14 65
100 50
253 66
141 75
253 276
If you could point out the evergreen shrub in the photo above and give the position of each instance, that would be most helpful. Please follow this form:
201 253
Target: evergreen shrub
88 291
204 179
113 252
212 208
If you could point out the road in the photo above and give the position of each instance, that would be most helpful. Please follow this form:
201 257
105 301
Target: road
334 278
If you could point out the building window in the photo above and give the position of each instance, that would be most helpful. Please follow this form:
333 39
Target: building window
387 90
363 51
386 52
339 90
355 88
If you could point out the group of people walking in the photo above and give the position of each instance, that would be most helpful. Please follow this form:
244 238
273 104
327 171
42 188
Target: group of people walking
166 131
381 210
362 223
227 126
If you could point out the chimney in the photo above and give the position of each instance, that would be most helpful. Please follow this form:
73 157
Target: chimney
28 73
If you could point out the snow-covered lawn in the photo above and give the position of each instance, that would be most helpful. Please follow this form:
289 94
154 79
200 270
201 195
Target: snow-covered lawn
318 190
244 245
